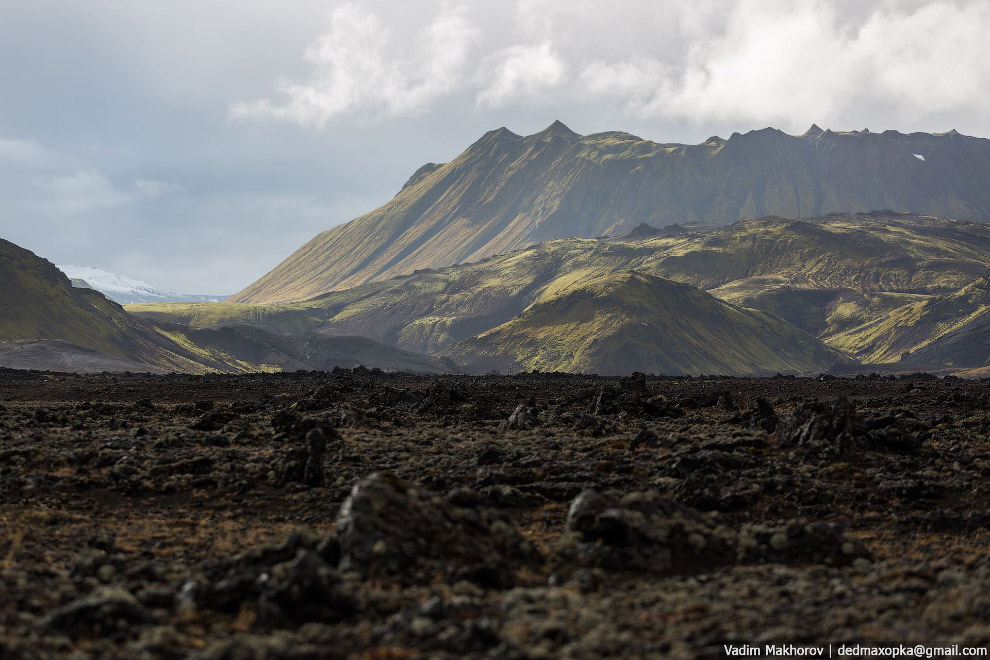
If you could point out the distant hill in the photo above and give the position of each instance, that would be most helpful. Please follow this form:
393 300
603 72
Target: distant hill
126 290
46 323
507 192
628 321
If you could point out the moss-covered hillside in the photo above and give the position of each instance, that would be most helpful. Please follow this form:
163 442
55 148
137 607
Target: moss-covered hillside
828 276
629 321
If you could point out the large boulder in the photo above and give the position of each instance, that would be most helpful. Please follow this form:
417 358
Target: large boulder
386 528
647 532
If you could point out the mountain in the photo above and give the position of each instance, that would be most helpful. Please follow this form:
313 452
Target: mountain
826 276
507 192
126 290
629 321
46 323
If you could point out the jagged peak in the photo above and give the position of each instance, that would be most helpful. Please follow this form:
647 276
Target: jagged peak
556 129
643 230
501 133
613 135
769 131
422 173
814 131
499 136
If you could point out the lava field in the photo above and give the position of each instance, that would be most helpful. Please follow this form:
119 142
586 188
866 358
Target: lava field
359 514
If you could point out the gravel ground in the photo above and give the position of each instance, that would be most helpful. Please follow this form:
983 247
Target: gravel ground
359 514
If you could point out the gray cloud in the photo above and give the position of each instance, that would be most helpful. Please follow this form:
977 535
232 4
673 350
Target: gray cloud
753 60
194 145
362 65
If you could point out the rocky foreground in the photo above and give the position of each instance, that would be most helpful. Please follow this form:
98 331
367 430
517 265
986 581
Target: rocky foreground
365 515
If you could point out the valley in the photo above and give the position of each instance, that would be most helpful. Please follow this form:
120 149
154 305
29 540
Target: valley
47 323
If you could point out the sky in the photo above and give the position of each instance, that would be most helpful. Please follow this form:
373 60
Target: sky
194 144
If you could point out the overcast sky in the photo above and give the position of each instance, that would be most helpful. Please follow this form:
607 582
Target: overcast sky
196 143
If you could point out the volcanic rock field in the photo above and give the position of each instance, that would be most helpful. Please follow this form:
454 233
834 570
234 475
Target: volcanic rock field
359 514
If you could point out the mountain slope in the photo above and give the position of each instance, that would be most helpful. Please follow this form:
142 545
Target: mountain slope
825 275
949 330
45 319
630 321
506 192
55 355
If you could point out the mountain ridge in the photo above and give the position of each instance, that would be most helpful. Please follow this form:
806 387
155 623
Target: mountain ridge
507 191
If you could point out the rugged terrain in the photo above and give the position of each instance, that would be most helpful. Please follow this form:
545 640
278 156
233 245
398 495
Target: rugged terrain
875 286
507 192
364 515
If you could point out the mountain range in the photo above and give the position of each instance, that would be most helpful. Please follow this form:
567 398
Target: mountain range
602 253
507 192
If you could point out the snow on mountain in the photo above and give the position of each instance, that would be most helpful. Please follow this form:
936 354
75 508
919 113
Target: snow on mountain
126 290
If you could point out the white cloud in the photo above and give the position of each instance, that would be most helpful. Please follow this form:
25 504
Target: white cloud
82 191
932 59
520 72
361 66
24 152
784 62
89 190
636 80
792 63
150 188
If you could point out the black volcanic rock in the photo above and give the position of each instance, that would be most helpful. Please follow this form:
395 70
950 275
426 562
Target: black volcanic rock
388 528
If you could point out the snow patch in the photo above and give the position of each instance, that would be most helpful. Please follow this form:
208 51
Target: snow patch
919 156
126 290
102 280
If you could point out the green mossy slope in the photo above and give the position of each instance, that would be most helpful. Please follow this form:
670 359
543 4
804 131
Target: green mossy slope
827 276
630 321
